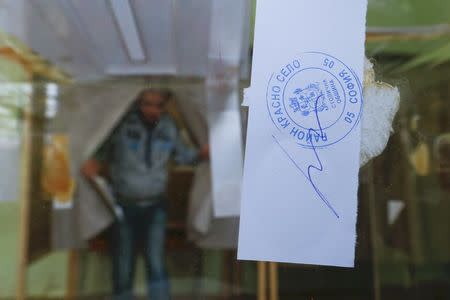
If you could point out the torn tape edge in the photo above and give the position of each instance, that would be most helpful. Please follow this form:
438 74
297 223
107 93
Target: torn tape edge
246 97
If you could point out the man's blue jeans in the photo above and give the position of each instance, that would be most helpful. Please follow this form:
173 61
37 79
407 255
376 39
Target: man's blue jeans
141 227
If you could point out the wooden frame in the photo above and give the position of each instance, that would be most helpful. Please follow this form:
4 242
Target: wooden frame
273 289
32 112
24 214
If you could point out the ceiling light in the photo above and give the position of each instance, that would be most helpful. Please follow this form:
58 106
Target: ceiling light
126 22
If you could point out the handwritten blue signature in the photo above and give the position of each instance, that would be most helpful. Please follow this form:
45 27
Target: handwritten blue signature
318 167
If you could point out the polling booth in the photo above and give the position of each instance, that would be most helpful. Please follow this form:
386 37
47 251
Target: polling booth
27 80
75 214
282 209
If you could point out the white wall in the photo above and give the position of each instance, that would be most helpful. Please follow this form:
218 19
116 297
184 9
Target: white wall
13 17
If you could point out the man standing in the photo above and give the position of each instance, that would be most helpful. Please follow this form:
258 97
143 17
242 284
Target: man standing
135 159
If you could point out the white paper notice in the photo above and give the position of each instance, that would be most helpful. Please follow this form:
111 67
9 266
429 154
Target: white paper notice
224 117
299 199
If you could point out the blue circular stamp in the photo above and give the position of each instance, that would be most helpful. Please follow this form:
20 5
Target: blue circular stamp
315 99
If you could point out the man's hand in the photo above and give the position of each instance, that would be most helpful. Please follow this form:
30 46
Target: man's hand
203 153
91 168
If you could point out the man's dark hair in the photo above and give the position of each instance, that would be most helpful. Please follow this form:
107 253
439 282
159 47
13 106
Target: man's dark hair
166 94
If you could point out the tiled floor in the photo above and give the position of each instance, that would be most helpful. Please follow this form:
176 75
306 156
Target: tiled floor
175 298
